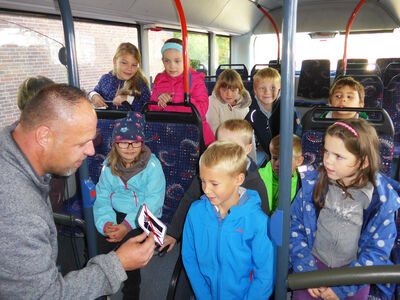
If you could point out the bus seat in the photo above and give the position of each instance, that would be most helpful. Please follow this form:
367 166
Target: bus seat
352 63
257 67
240 68
274 63
210 82
202 69
314 81
314 129
177 144
382 63
391 102
391 70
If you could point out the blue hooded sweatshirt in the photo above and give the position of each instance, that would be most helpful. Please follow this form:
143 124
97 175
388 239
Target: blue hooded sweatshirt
228 258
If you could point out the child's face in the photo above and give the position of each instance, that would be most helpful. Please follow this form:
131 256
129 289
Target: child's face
340 164
345 96
173 62
129 151
275 161
126 66
229 95
267 90
220 187
224 134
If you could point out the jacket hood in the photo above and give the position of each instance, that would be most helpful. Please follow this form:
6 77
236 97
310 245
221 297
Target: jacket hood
245 100
251 203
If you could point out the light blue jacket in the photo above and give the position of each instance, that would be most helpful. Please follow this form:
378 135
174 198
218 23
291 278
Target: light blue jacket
148 186
228 258
378 231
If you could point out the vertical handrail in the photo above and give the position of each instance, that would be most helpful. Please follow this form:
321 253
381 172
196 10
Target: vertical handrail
275 27
73 79
185 52
353 15
286 140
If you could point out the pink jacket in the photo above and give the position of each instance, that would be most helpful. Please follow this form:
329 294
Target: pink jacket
198 96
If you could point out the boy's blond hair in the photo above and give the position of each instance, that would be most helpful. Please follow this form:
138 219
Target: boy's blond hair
297 149
225 155
29 88
262 74
240 127
229 79
350 82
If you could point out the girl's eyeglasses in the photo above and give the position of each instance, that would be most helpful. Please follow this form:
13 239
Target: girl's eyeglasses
125 145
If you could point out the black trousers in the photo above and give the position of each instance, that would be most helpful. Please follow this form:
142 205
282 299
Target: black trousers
131 288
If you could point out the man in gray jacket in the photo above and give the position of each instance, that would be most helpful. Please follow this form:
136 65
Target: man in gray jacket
54 136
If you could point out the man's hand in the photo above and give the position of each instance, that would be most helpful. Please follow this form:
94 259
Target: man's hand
136 252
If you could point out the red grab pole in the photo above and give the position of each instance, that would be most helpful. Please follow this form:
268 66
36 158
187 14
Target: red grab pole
185 51
353 15
275 27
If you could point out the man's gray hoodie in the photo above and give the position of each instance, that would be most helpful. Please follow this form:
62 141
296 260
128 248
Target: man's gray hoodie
28 238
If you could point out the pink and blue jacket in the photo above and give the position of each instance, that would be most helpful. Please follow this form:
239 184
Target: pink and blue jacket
198 96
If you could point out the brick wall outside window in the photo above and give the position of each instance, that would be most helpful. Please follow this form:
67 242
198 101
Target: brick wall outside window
29 46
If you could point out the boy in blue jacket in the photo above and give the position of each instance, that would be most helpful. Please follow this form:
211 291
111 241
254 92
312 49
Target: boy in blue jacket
225 249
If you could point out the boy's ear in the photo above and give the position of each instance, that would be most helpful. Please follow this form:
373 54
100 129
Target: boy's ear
248 148
361 105
239 179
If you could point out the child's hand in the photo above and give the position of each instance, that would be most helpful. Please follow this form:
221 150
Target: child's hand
316 292
119 99
117 233
164 98
329 294
168 241
98 101
108 228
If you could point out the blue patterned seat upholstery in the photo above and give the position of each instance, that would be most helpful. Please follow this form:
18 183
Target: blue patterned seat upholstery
175 144
391 102
382 63
391 70
314 132
314 81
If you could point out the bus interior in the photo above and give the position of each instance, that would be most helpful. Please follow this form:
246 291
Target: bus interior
311 42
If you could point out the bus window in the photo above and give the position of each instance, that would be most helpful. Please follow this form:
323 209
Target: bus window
29 46
359 46
198 49
223 49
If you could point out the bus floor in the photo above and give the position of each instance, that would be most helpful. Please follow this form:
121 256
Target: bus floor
155 276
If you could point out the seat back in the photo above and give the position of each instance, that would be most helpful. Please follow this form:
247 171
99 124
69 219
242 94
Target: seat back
240 68
391 70
314 81
391 103
373 87
257 67
210 82
382 63
354 66
175 138
314 128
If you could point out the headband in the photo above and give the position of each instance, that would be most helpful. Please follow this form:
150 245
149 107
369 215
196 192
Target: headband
348 127
171 46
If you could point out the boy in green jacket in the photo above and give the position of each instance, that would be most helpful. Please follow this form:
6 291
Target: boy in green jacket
270 173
